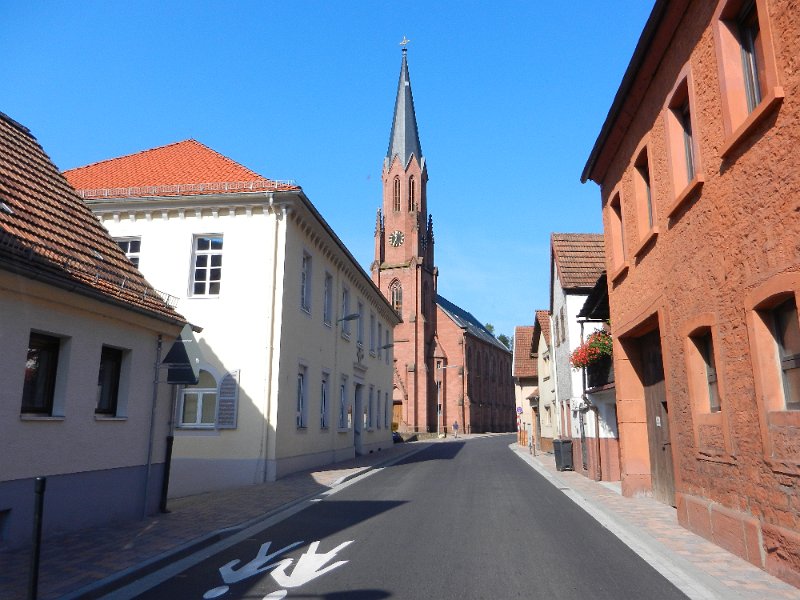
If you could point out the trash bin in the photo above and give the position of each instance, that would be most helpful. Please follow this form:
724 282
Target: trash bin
562 449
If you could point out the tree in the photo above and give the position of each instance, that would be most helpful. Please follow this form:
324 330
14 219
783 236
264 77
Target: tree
504 339
489 328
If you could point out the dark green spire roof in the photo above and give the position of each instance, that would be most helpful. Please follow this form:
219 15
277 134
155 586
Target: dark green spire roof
404 139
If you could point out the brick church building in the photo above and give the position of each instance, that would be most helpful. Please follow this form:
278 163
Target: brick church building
449 369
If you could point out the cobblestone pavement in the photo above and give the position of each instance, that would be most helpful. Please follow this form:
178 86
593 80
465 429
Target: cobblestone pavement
716 573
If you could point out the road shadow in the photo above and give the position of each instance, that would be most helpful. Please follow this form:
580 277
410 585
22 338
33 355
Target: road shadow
439 451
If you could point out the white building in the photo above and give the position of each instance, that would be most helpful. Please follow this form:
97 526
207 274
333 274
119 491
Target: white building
290 377
576 262
82 336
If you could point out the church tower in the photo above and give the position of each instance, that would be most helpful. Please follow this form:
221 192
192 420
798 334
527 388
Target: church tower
404 268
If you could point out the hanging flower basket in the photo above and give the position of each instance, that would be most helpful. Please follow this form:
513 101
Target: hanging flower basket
596 346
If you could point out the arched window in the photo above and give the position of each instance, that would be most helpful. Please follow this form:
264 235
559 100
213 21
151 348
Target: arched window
396 292
199 402
412 199
396 194
425 293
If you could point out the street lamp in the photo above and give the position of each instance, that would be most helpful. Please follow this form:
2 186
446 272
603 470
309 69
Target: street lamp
440 367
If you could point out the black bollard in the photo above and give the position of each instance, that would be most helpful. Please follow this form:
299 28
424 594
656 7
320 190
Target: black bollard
38 510
165 480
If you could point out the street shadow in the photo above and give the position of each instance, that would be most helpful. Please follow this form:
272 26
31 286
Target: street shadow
328 522
439 451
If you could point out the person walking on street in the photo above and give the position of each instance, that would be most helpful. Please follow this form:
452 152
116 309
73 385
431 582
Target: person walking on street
455 428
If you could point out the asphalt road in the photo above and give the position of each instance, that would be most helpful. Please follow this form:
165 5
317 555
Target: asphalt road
458 520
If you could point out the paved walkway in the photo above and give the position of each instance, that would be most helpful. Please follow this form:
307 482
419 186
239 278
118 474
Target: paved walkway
71 562
80 561
702 570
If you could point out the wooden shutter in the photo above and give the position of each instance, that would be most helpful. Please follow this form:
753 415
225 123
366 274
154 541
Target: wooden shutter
228 401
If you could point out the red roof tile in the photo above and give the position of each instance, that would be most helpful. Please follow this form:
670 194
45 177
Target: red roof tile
524 352
180 169
542 325
580 259
48 232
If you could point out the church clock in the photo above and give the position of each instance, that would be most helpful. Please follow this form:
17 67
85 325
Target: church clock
396 238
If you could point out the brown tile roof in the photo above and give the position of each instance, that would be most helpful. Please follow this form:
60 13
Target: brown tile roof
47 231
186 168
579 257
543 323
524 359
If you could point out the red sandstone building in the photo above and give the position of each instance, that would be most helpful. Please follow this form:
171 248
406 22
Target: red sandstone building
435 337
697 165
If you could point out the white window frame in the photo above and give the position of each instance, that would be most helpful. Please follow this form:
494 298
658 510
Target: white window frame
323 401
301 416
343 404
345 311
201 393
369 409
360 324
386 419
372 333
378 409
305 282
125 244
209 255
380 336
327 300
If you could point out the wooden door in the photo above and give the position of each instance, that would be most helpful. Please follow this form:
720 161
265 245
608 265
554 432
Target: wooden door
655 397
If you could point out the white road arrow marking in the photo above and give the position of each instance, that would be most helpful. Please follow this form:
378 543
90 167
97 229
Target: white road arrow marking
255 566
306 568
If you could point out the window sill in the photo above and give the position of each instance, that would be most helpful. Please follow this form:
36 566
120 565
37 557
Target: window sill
689 191
768 104
109 418
346 336
35 417
342 430
619 273
715 456
306 310
195 428
328 324
649 237
203 297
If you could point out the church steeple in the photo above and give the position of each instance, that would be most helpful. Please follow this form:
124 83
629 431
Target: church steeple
404 139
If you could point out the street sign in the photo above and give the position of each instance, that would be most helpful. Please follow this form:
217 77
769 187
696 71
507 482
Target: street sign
519 410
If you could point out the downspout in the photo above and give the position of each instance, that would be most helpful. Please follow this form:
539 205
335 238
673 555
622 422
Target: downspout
554 362
271 341
152 426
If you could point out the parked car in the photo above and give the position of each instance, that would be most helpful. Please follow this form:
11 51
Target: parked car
397 438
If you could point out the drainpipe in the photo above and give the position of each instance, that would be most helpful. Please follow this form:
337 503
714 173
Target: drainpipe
554 362
152 426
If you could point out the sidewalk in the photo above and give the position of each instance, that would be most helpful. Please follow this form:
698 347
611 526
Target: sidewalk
71 562
700 569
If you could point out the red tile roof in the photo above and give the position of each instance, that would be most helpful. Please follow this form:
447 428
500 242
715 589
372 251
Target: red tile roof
543 325
524 352
47 232
580 259
181 169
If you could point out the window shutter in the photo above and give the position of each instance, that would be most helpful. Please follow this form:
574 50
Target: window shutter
228 401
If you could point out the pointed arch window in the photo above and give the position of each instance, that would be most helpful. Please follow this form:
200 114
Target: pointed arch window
396 293
396 194
412 195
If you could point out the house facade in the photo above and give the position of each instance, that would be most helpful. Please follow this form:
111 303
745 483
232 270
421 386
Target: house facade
547 424
526 387
576 261
696 165
84 401
405 271
598 445
294 357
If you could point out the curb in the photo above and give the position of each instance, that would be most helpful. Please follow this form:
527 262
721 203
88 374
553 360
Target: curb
107 585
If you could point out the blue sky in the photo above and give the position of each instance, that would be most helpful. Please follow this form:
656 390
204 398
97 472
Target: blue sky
509 95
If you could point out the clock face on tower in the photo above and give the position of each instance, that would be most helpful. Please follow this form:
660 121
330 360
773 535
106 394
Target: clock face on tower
396 238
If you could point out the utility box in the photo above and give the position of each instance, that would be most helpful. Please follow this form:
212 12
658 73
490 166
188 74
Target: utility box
562 449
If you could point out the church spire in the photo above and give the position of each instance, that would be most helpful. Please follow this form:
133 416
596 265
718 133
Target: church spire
404 139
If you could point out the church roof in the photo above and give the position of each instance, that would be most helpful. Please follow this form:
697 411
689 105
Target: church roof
467 321
48 233
524 353
184 168
404 139
580 258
